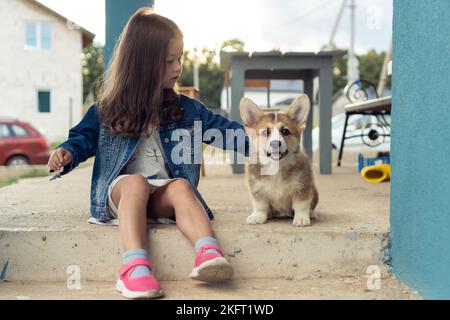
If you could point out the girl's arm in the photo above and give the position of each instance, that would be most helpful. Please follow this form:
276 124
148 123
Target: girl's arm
83 139
233 133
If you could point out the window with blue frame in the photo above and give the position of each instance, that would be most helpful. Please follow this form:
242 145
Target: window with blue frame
31 34
43 101
46 35
38 35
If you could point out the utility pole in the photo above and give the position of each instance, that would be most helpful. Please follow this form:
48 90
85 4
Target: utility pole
352 63
195 71
336 25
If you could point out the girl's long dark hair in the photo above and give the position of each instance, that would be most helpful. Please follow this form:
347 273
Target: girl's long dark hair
132 98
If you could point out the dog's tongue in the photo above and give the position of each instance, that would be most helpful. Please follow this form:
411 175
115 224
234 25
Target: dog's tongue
275 156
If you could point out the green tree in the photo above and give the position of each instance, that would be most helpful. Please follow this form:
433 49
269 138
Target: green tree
339 73
370 65
92 69
187 77
234 45
211 77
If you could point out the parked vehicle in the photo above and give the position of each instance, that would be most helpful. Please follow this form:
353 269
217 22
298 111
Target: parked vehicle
22 144
358 127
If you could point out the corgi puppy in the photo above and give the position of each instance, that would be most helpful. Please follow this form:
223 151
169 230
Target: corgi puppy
280 179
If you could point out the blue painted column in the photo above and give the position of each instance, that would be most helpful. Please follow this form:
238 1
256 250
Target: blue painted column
117 13
420 185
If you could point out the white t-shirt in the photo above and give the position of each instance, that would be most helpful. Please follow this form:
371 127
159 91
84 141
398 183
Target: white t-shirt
148 158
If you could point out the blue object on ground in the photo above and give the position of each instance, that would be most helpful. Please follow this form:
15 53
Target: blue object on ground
3 272
365 162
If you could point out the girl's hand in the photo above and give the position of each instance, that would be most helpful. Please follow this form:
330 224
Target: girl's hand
59 158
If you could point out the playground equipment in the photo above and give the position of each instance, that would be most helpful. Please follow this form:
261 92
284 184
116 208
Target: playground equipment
375 170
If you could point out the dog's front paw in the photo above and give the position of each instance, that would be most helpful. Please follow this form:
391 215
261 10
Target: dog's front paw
257 218
301 221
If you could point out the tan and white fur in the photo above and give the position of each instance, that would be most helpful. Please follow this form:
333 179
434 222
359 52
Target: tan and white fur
275 137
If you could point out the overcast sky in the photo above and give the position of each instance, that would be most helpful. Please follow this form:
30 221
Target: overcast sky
290 25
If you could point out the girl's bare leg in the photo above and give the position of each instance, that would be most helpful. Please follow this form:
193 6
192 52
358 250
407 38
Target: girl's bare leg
178 199
130 195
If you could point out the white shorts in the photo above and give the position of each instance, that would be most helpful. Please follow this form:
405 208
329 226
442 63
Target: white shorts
154 184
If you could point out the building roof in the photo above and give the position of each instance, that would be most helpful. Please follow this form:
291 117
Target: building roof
88 36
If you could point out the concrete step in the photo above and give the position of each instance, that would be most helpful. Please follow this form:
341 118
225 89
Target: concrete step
44 232
46 255
237 289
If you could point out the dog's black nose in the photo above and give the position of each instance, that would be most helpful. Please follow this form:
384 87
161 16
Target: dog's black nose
275 144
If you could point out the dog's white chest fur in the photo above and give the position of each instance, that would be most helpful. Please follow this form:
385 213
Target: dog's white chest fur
278 192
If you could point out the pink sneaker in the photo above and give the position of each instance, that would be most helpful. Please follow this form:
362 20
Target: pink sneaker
137 288
211 267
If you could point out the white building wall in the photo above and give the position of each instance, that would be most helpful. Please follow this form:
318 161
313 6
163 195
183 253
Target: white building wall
24 71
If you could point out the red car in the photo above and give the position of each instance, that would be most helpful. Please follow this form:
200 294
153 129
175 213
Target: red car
21 144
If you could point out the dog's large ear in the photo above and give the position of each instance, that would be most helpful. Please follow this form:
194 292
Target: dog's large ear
299 110
250 112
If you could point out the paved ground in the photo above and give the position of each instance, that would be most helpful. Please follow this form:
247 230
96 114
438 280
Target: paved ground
346 202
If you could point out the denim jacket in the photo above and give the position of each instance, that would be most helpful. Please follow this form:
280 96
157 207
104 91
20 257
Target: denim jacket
89 138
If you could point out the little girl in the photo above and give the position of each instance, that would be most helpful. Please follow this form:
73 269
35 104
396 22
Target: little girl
130 131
